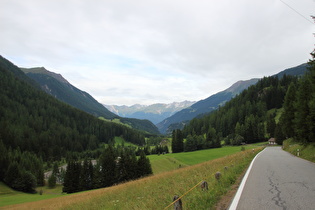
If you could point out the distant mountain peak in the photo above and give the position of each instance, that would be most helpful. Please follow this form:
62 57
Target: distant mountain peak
237 87
154 112
42 70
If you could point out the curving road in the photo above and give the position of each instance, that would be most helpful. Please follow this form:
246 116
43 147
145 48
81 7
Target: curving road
277 180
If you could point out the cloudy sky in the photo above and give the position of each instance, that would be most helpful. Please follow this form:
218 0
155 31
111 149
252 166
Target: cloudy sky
149 51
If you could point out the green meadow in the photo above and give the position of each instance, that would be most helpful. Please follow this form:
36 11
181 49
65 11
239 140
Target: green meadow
9 196
160 163
157 191
168 162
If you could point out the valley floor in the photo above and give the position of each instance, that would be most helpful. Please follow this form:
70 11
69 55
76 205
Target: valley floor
134 194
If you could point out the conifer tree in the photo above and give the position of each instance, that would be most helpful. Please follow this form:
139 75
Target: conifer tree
288 115
144 165
177 141
302 114
108 167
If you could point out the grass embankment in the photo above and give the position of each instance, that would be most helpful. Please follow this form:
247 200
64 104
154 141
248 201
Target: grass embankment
305 151
156 192
9 196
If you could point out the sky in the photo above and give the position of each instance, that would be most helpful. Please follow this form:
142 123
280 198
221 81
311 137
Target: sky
127 52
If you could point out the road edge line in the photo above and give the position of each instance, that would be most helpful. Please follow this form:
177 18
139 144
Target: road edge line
238 194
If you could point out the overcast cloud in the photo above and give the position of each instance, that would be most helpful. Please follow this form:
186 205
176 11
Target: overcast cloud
133 51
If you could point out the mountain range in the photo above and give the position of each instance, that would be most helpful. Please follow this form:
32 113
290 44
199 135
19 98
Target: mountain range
57 86
155 112
179 119
166 117
204 106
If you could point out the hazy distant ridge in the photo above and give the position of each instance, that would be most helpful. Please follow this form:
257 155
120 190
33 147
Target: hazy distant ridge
155 112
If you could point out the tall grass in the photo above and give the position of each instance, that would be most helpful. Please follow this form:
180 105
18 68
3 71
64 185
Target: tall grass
156 192
304 151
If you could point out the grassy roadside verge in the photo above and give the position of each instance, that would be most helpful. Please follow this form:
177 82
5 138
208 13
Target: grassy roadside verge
156 192
304 151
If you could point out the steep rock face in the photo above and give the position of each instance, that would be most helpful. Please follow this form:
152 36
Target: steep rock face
204 106
155 112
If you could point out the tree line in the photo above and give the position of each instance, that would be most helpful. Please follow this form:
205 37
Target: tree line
21 171
298 118
245 118
36 122
36 128
274 107
114 166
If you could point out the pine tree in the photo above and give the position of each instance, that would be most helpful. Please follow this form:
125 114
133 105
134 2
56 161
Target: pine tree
4 160
302 114
108 167
12 174
311 69
288 115
72 177
144 165
86 176
271 125
177 141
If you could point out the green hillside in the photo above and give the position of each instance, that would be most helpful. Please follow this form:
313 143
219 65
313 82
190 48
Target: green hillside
36 129
55 85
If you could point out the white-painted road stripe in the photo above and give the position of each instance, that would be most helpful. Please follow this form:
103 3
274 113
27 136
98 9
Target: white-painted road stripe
240 189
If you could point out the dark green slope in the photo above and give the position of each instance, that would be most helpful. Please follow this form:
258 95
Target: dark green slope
32 120
204 106
295 71
55 85
71 95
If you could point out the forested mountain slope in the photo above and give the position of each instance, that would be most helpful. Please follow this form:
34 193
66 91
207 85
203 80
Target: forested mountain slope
60 88
274 107
36 128
34 121
55 85
181 118
204 106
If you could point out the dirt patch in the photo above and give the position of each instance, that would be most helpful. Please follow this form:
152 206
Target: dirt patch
226 200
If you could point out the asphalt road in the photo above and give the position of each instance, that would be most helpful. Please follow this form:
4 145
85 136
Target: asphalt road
279 180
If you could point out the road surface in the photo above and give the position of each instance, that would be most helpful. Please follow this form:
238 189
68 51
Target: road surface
278 180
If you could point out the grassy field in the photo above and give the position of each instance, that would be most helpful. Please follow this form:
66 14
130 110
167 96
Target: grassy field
9 196
120 141
304 151
168 162
156 192
160 163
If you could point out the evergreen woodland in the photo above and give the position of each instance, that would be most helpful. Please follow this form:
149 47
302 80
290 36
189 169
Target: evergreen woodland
114 166
252 116
35 128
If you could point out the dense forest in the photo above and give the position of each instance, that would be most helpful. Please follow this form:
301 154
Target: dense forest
34 125
253 115
298 118
115 165
61 89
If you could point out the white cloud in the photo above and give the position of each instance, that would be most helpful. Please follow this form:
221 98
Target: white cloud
126 52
